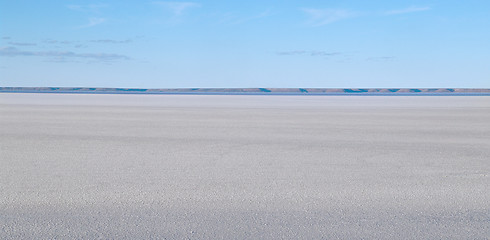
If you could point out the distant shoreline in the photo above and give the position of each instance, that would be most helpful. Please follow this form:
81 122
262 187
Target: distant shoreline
260 91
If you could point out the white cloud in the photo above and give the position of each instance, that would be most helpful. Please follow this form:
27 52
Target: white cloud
381 59
314 53
52 41
111 41
75 7
319 17
239 20
14 52
177 8
22 44
90 8
93 21
407 10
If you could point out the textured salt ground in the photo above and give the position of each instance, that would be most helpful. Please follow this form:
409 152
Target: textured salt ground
244 167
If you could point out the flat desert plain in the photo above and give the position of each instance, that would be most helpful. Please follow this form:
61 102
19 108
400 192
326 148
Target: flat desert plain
244 167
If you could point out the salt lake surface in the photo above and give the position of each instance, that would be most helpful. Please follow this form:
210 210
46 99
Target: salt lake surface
244 167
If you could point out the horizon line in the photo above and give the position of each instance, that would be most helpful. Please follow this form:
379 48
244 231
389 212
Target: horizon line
253 91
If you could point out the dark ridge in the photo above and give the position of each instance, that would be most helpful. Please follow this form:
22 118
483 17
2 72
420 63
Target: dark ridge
251 91
264 90
355 91
132 89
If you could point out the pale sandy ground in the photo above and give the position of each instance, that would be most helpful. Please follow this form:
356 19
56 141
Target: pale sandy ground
244 167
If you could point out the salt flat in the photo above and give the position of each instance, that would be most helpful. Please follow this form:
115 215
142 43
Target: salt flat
244 167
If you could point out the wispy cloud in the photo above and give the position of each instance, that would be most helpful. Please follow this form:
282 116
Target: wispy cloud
22 44
93 21
90 8
51 41
6 38
407 10
381 59
320 17
93 11
14 52
177 8
231 19
83 44
289 53
110 41
314 53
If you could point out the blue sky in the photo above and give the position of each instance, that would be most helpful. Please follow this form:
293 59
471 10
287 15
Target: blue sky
266 43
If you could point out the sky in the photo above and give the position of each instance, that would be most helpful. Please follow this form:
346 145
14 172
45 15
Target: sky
238 44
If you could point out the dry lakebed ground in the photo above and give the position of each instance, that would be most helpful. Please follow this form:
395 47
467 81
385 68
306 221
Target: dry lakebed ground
116 166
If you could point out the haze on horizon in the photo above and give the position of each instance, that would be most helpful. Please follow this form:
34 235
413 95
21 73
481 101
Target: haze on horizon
233 44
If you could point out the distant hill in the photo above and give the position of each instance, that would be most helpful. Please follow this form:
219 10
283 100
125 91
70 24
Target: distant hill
254 91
